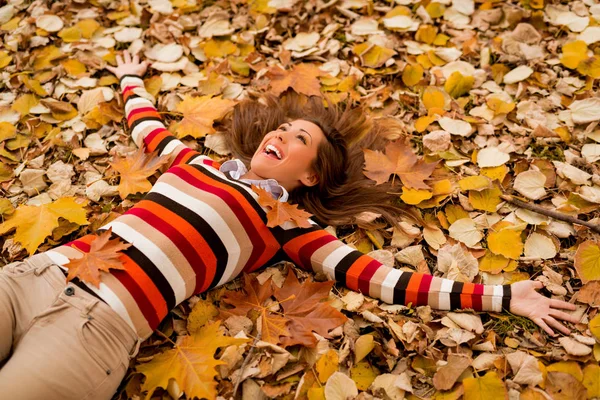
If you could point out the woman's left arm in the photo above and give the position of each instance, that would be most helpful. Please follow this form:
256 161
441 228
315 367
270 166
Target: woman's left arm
317 250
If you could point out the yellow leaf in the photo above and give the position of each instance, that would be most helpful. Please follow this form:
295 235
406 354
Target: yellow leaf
426 34
486 199
107 80
6 172
34 223
423 122
495 173
597 351
363 374
372 55
203 311
498 72
595 326
219 48
87 27
591 380
476 182
435 59
587 261
363 346
433 98
24 103
261 6
135 170
190 363
10 25
74 67
412 74
457 84
589 67
569 367
70 35
435 10
454 213
442 187
488 387
199 114
5 59
423 60
415 196
45 56
441 39
327 365
153 85
495 263
316 393
34 86
7 131
505 241
573 53
499 106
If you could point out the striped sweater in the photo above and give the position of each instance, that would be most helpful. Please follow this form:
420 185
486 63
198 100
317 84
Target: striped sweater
199 228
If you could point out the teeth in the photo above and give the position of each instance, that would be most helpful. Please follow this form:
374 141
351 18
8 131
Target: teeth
272 148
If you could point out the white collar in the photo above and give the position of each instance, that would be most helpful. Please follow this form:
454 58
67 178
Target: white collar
236 169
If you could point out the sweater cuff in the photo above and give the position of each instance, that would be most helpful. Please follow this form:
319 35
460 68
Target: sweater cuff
506 295
130 80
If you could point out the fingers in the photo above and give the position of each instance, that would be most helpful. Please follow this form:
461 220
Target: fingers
564 316
557 325
538 284
544 326
111 69
119 59
562 304
127 56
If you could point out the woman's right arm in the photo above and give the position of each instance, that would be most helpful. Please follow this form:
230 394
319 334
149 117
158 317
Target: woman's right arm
144 122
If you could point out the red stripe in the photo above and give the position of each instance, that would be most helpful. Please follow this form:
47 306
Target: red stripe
423 295
136 111
477 301
181 154
148 138
176 238
306 251
138 295
364 280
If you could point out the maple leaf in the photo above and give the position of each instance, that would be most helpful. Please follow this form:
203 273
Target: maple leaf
302 78
400 160
104 254
303 305
281 212
34 223
134 171
199 114
190 363
254 297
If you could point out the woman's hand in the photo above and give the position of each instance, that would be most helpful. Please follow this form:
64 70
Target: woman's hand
545 312
129 67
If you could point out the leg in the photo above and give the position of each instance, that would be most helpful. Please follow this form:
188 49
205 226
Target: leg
78 348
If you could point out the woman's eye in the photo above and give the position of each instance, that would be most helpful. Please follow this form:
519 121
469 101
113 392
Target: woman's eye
302 138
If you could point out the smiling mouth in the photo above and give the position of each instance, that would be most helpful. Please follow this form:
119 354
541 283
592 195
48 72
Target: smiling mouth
272 152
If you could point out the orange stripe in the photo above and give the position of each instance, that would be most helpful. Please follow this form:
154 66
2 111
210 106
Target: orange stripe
264 232
187 157
199 244
354 272
146 285
294 245
466 298
141 115
157 139
412 290
127 94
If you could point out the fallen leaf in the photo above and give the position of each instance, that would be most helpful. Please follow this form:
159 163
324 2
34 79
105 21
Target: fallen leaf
281 212
446 376
135 170
200 113
587 261
302 78
488 387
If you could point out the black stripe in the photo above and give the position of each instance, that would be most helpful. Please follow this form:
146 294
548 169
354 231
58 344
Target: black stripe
400 288
163 143
342 267
192 158
201 226
457 289
151 270
139 121
506 297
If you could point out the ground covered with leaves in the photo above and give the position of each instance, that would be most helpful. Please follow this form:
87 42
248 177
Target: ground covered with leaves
499 101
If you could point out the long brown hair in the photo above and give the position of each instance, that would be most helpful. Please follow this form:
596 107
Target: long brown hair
343 192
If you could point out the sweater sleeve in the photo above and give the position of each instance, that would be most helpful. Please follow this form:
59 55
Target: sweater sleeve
148 130
317 250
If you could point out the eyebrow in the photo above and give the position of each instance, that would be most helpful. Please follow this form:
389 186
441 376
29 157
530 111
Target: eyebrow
303 130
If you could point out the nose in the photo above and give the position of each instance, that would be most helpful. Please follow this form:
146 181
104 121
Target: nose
279 135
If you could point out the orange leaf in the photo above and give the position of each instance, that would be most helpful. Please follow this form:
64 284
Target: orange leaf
400 160
302 78
134 171
281 212
199 114
104 254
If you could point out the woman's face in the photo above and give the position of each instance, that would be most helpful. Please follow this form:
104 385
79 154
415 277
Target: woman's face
287 154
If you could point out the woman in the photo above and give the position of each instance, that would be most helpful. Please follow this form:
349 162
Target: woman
201 226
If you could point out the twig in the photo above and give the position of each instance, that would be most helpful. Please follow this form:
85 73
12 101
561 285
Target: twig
550 213
237 384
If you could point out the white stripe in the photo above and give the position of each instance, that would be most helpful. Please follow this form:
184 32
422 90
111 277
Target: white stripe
444 300
498 290
137 102
103 292
154 254
388 285
131 80
497 304
216 222
446 286
334 258
137 131
172 145
236 183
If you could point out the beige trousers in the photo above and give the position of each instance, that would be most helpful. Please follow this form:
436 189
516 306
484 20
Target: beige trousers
56 340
